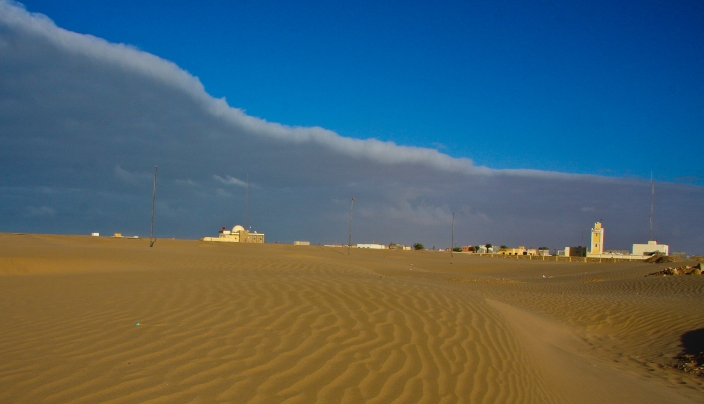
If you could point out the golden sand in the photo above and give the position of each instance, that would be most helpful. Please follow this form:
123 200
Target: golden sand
305 324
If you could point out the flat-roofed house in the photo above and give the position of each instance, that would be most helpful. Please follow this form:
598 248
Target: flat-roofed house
651 248
238 234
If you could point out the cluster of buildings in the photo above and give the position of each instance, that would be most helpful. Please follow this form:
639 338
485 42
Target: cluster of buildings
595 250
639 251
480 249
521 250
116 235
238 234
392 246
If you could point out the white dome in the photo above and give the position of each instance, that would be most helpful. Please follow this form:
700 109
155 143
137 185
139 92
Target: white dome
237 228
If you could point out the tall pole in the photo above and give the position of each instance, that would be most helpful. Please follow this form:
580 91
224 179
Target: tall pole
349 240
652 203
452 248
152 240
246 205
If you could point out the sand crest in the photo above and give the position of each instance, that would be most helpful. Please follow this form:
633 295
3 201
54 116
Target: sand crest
298 324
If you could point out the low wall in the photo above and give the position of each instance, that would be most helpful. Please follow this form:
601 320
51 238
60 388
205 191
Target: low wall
560 258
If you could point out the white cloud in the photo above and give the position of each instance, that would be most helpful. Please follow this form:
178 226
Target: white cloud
230 180
139 62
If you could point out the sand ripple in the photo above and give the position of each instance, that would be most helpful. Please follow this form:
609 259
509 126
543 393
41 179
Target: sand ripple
266 324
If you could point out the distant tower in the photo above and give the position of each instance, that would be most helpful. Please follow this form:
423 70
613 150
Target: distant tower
652 203
597 246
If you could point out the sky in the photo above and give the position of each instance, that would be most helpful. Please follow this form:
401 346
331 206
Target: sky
529 121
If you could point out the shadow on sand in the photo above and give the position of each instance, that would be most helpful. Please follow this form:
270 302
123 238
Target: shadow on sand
691 359
692 342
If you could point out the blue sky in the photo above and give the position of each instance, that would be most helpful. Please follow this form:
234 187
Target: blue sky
528 121
577 87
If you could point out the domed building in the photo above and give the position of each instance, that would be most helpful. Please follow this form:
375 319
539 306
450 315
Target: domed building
238 234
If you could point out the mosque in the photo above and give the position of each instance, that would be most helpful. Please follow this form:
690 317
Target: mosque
640 251
238 234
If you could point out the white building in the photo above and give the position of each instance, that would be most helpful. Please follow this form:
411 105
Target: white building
301 243
238 234
651 248
490 250
373 246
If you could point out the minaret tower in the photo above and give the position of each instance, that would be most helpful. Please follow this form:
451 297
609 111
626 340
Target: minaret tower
597 246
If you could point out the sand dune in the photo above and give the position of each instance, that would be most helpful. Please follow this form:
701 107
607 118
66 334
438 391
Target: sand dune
298 324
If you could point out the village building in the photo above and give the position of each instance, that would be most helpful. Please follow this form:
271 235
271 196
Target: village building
480 249
544 252
639 252
238 234
651 248
373 246
521 250
578 251
597 245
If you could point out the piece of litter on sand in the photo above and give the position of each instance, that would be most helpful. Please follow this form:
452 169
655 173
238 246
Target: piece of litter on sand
543 276
137 324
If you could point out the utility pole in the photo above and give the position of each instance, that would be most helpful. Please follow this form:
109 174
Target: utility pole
652 203
452 248
152 240
246 205
349 241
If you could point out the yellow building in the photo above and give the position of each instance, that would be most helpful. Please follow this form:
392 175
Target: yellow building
512 251
521 250
238 234
597 245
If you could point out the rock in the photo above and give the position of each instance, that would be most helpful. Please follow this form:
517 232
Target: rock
683 270
659 259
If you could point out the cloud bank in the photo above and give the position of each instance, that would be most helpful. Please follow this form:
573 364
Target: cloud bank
83 122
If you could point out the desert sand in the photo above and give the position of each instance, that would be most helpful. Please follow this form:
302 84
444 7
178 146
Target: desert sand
108 320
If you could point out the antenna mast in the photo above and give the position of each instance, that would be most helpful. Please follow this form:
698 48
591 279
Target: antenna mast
246 205
349 240
452 248
652 203
152 240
